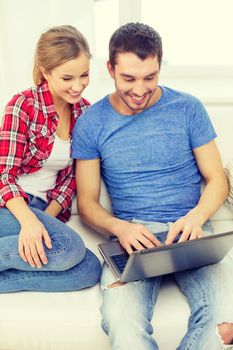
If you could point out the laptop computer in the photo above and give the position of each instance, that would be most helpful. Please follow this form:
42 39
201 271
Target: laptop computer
165 259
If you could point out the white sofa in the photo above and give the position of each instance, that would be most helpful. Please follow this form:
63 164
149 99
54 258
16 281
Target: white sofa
71 320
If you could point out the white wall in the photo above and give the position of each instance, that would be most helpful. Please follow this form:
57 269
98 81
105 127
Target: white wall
21 23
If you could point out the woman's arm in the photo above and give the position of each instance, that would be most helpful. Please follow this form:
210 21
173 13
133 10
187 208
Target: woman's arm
54 208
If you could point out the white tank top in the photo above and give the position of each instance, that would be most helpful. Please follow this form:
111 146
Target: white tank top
41 181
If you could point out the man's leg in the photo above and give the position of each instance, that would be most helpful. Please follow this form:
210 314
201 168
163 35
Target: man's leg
208 288
224 291
198 287
225 331
209 293
127 310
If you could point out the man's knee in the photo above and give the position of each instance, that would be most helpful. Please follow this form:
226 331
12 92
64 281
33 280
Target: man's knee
115 284
225 331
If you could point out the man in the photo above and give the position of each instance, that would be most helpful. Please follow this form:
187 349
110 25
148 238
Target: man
151 145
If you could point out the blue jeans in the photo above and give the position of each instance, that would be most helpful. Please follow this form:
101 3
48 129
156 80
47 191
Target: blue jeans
127 310
70 265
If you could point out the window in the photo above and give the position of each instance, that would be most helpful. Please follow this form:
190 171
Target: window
106 21
193 32
197 42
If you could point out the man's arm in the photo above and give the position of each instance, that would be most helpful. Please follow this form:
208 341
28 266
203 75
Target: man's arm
88 187
214 194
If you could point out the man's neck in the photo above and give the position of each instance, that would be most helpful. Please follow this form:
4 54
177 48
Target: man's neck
122 108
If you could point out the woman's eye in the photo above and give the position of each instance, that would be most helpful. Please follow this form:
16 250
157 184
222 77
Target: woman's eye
66 79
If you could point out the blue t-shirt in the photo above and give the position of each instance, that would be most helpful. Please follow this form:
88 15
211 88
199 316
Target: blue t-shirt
147 160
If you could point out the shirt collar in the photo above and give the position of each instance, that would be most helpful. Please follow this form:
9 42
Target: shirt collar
45 97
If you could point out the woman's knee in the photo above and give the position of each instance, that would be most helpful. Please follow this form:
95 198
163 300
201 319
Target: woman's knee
93 267
88 272
75 249
68 250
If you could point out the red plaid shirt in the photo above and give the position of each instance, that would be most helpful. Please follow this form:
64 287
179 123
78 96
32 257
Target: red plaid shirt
27 135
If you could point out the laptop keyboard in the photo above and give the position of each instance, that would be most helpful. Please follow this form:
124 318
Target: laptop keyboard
121 259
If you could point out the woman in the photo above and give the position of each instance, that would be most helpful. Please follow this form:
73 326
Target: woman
37 250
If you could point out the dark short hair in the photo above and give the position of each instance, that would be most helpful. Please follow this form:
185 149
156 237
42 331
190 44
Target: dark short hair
138 38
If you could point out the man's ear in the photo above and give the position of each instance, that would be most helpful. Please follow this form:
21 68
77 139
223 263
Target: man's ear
111 70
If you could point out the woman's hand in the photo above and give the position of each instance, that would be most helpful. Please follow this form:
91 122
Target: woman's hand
30 246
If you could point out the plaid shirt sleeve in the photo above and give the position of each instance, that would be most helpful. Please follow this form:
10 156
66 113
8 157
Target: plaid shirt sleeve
12 146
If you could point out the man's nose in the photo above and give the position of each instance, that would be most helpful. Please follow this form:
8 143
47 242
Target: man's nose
139 89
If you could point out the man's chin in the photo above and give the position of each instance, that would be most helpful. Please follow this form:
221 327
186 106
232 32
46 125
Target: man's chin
138 107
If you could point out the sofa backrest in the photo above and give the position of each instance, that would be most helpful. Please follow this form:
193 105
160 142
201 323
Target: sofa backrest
222 119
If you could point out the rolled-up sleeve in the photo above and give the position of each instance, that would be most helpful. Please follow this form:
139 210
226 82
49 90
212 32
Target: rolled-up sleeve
12 147
65 187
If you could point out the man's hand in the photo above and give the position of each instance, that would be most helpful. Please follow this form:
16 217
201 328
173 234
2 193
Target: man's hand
137 236
30 246
189 226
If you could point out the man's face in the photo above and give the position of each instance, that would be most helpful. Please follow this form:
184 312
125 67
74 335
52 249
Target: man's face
136 82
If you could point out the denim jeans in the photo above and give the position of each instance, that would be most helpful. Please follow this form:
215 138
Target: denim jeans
71 266
127 310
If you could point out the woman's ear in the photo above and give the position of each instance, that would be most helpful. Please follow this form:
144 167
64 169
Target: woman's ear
44 72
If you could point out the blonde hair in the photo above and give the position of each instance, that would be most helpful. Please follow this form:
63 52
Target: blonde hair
57 46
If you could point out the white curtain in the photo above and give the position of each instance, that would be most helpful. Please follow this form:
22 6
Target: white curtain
21 23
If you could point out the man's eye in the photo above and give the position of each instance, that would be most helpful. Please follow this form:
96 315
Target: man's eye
85 75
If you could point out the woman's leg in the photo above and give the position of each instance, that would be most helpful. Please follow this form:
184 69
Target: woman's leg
68 248
83 275
68 251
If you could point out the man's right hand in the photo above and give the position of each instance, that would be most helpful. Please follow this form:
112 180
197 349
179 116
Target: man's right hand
134 236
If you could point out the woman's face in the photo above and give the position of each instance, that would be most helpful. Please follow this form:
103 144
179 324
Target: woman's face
67 81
